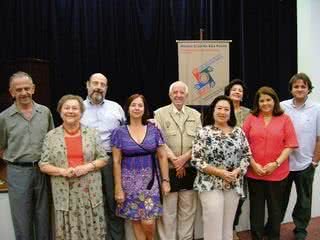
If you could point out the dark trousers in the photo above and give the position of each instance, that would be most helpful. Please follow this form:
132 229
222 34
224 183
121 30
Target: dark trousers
301 214
115 225
28 197
261 193
238 213
241 202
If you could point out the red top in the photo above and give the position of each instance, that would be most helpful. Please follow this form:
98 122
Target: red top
267 143
74 151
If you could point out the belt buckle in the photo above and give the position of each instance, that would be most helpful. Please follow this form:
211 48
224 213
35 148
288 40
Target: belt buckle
35 164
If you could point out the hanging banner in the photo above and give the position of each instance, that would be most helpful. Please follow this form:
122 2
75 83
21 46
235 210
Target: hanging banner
204 67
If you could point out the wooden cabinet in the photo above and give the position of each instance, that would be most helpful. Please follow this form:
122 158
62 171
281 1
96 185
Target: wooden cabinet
39 71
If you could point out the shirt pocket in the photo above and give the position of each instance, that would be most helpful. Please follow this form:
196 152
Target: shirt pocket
191 127
170 129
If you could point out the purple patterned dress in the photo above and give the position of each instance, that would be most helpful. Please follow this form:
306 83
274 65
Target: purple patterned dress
137 168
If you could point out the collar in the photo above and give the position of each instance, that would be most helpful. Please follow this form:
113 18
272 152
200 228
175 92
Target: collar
90 101
14 109
175 110
306 103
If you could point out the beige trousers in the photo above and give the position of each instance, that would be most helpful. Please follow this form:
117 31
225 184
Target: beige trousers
218 211
177 222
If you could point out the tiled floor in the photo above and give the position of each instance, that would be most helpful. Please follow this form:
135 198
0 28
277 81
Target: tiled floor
287 234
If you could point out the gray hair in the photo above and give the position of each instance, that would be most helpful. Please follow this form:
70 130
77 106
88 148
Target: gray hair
19 74
70 97
178 83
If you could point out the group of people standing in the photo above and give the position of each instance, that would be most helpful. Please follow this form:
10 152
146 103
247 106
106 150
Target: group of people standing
107 164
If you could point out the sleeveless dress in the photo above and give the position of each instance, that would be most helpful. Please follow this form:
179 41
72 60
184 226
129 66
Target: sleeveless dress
139 173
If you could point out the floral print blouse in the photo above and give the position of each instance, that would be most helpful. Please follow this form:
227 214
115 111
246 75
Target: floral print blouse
212 147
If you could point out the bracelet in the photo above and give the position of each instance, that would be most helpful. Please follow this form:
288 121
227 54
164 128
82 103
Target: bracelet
94 166
278 164
165 180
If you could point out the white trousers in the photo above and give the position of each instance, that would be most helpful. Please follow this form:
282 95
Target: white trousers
218 211
177 222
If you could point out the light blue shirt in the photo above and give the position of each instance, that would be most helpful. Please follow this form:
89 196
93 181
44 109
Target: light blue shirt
306 121
105 117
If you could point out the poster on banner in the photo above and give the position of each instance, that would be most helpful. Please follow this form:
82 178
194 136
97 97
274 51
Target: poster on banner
204 67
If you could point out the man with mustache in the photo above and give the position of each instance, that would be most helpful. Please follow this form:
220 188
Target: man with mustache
105 116
23 127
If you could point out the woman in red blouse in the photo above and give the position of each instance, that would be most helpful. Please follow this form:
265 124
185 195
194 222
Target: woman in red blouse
272 138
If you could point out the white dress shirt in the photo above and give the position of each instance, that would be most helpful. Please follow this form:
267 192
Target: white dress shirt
105 117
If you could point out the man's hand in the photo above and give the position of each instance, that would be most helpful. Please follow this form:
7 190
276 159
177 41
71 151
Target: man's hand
179 162
181 172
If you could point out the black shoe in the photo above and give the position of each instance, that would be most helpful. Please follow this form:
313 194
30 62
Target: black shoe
266 229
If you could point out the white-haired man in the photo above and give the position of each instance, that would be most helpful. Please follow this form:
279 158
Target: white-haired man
179 124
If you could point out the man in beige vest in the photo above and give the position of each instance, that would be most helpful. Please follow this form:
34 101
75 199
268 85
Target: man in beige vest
178 124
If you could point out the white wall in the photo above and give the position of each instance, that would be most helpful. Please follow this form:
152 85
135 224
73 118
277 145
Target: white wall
309 62
6 228
308 42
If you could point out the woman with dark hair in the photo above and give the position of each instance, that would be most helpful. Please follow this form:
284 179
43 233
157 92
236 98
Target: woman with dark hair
272 138
236 90
136 171
221 154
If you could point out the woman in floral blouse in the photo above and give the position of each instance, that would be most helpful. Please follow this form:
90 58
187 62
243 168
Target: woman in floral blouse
221 155
72 155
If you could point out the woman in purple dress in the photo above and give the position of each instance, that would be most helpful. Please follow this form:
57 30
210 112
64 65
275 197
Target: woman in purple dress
138 185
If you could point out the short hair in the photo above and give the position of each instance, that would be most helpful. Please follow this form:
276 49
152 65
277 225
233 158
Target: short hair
19 74
277 110
235 81
178 83
209 119
70 97
146 113
300 76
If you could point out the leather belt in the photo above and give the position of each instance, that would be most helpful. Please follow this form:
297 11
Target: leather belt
24 164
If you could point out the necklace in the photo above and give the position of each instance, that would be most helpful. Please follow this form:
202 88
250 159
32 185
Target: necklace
71 133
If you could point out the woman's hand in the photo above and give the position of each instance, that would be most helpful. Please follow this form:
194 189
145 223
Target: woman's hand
67 172
229 177
119 196
270 167
82 170
165 187
236 172
258 169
